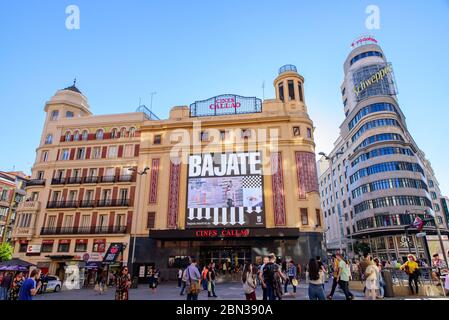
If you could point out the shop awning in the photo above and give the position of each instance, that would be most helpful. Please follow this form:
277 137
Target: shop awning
15 262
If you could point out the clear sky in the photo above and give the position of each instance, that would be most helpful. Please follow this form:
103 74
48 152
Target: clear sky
192 50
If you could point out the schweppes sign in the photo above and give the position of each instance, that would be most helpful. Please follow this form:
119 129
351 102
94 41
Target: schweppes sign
378 76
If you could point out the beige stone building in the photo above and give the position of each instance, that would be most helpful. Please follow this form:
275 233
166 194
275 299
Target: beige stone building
228 179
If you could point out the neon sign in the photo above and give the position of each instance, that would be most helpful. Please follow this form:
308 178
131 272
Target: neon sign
364 39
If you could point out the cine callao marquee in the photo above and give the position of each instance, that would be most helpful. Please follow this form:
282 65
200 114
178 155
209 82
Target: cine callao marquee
225 190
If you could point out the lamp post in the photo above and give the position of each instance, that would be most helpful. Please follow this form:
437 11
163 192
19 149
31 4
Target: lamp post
331 161
141 173
434 218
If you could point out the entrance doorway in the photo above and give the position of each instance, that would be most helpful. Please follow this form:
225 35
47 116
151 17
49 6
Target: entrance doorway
227 259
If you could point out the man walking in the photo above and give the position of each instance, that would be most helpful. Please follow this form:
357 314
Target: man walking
29 287
268 277
264 289
291 274
343 277
5 286
193 280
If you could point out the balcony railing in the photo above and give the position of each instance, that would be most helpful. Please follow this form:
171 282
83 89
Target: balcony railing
57 181
88 203
92 179
28 205
107 179
125 178
74 180
83 230
36 182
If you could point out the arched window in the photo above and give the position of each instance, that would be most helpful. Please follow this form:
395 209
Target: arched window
122 132
132 132
114 133
67 136
99 134
85 135
76 135
49 139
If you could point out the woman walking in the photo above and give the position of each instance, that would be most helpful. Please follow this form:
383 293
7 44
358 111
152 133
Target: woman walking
380 279
315 279
371 280
153 279
249 281
412 269
211 274
15 286
204 281
122 285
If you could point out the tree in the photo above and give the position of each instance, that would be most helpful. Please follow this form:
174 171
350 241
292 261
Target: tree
6 251
361 248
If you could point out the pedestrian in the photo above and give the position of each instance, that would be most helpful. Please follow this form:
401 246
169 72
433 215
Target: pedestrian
380 282
211 275
291 277
154 278
438 265
204 273
29 287
315 279
343 277
15 287
183 281
371 281
334 271
260 275
278 279
122 285
193 280
249 281
366 261
322 267
5 286
179 277
101 282
268 277
411 268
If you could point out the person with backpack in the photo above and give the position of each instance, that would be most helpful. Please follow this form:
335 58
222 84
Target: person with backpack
268 277
411 268
260 274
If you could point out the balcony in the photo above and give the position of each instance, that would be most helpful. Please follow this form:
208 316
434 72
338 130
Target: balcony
56 181
88 203
29 206
125 178
73 180
83 230
90 179
35 182
107 179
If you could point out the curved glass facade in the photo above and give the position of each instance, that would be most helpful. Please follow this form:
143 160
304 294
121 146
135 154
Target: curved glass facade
366 54
385 167
379 137
388 220
395 183
374 124
392 201
375 107
381 152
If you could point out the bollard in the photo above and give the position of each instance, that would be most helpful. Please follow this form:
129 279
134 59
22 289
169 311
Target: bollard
388 280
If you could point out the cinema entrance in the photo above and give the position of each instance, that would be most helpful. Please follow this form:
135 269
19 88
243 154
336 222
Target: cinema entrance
227 259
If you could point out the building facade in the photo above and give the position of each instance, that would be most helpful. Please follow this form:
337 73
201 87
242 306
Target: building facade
376 180
228 179
12 192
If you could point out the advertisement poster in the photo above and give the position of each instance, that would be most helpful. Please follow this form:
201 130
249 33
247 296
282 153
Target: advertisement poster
225 189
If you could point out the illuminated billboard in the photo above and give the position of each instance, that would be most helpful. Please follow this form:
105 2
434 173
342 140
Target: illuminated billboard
225 190
225 104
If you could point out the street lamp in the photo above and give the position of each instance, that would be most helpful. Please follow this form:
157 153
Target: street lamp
141 173
331 161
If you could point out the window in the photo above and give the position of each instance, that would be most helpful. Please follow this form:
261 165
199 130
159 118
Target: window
344 203
96 154
103 220
69 114
223 135
436 206
65 154
301 97
54 115
281 91
246 133
123 194
151 220
318 218
431 183
85 219
433 194
51 222
385 167
80 153
85 135
44 156
122 132
64 246
132 132
291 90
40 175
366 54
345 102
114 134
99 134
204 136
343 91
81 245
68 222
304 217
4 196
47 246
374 124
392 201
296 131
49 139
120 220
309 133
34 196
129 151
68 136
112 152
23 245
76 135
99 245
375 107
381 152
157 139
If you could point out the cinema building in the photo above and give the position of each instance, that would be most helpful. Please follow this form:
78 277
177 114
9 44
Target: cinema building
376 181
226 179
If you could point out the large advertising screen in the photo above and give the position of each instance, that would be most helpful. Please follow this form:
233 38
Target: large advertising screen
225 190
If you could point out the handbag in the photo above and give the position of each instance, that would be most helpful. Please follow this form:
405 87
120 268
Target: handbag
295 282
194 287
97 287
209 286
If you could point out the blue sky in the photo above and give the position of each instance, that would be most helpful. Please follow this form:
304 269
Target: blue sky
192 50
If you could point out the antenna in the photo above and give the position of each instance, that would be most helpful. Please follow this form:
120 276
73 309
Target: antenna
74 81
140 101
151 103
263 90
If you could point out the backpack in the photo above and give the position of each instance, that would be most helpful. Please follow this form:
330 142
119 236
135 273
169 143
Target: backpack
268 272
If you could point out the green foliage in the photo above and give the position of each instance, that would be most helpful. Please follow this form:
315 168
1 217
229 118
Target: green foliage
361 248
6 251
